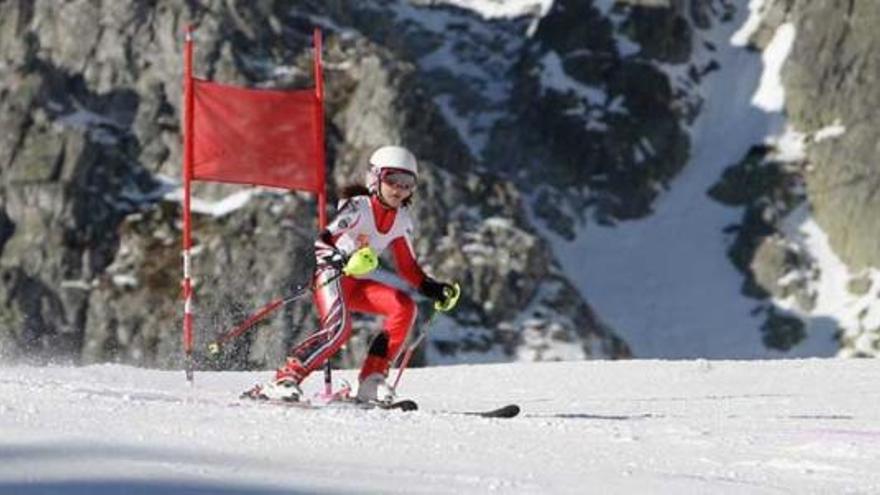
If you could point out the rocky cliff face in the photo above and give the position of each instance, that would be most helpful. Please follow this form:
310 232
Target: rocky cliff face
593 118
89 231
839 39
829 82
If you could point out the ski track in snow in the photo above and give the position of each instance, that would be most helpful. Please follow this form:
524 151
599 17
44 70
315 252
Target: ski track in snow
795 426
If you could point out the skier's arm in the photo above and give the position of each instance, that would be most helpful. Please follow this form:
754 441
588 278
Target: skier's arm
405 260
330 246
445 295
348 217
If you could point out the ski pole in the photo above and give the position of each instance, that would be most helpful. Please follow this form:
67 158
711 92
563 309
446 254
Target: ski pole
215 347
412 347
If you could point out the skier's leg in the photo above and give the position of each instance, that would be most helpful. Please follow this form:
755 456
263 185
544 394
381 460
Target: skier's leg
399 310
335 328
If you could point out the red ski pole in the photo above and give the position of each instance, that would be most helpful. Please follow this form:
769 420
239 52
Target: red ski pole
412 347
215 347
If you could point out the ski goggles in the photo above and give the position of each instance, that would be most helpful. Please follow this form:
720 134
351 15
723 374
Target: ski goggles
399 179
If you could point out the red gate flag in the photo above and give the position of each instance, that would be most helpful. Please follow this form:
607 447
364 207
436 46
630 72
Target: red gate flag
254 136
248 136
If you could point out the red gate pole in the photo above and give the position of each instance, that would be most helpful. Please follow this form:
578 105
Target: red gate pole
187 178
322 166
319 130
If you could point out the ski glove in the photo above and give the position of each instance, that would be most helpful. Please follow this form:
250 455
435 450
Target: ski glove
445 295
328 255
361 262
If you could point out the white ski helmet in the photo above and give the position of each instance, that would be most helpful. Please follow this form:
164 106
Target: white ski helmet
388 158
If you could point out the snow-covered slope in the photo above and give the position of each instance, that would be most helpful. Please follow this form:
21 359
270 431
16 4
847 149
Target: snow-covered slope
807 426
666 283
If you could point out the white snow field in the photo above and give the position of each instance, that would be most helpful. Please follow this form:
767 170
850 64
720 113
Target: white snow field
714 427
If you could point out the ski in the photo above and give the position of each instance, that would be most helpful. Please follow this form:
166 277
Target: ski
504 412
404 405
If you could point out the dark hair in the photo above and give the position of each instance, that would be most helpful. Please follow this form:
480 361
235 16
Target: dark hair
352 190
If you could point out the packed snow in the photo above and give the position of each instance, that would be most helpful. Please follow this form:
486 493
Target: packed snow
770 95
492 9
788 426
750 26
830 132
553 76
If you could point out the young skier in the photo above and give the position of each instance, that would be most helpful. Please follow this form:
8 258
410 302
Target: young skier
370 219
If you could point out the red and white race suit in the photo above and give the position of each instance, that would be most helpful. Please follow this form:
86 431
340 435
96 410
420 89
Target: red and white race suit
361 221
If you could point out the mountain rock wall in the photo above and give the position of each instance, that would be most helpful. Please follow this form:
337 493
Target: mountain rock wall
829 79
90 156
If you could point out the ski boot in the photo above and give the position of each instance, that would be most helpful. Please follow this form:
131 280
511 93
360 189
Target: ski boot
374 389
285 387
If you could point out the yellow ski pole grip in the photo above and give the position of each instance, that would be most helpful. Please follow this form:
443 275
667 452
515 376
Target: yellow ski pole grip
361 262
452 294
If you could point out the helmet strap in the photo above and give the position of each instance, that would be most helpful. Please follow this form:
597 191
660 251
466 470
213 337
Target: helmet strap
378 194
381 199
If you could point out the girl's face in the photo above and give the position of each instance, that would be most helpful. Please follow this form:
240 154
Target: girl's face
396 188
